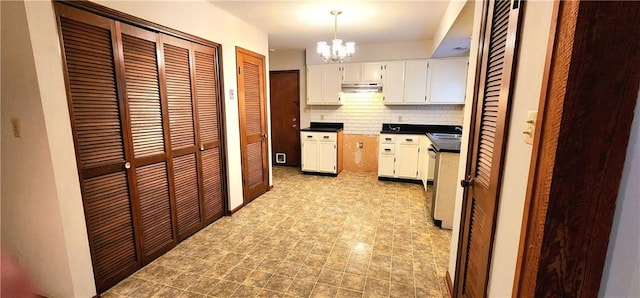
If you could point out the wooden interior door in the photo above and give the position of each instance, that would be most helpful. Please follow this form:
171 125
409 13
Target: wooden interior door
285 116
183 135
209 123
253 124
149 161
96 116
491 103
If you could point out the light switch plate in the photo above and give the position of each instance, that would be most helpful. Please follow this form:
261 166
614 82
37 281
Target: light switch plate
15 123
232 94
530 129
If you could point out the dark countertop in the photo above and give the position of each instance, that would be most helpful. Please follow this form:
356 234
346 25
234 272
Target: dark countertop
418 129
440 145
324 127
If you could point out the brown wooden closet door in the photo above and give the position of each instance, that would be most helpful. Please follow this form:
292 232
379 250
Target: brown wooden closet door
209 108
149 162
489 139
253 127
96 116
178 75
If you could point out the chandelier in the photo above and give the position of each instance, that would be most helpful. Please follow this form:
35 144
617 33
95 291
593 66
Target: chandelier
336 52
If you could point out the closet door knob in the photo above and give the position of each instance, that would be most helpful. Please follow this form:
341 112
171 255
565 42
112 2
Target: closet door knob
127 165
201 147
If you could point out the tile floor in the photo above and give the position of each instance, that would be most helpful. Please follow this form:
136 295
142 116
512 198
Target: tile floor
310 236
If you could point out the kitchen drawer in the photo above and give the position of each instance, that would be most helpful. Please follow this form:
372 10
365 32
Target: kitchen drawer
318 136
327 137
409 140
309 135
387 139
387 149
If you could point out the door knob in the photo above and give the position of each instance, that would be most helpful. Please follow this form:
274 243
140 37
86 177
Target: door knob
264 136
466 182
127 165
201 147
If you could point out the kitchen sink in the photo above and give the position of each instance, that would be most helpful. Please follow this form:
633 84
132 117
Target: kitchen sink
446 136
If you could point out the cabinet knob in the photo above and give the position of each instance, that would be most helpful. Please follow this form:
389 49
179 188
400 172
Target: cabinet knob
127 165
201 147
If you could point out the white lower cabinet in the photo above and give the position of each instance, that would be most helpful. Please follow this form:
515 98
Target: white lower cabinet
399 156
321 152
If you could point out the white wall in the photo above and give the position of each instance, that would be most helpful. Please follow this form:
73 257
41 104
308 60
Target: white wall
450 15
205 20
621 273
528 85
42 218
294 60
526 97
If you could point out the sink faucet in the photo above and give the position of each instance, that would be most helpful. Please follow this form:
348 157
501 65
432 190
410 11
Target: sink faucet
459 129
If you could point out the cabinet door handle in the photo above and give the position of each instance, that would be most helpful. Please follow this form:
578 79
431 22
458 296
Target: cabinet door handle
326 137
387 150
409 140
387 139
309 137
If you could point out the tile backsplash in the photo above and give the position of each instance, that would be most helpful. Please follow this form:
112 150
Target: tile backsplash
364 113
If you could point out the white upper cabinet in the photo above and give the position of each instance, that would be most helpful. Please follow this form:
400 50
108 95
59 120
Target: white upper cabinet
324 84
393 82
447 80
415 83
362 73
405 82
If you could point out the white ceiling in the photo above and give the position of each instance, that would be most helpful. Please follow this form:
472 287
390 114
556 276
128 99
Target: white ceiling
300 24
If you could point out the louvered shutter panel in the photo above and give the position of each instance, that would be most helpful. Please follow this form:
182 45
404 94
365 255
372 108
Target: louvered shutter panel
179 81
96 119
491 120
139 48
178 78
186 185
208 123
253 123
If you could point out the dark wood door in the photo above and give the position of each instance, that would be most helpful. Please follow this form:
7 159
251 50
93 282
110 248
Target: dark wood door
101 153
146 114
285 116
253 128
144 119
209 123
181 110
487 143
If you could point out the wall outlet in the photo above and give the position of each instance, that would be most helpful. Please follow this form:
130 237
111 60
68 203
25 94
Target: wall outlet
399 118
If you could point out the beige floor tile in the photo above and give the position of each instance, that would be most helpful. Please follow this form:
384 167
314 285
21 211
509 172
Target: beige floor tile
345 236
324 291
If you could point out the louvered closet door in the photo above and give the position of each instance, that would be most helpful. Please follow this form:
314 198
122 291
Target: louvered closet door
487 151
183 135
149 162
253 128
209 109
96 117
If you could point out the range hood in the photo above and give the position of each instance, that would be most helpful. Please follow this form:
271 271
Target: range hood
361 87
